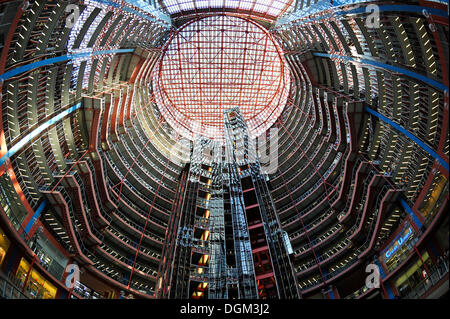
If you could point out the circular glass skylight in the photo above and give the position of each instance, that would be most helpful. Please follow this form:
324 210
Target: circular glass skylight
216 63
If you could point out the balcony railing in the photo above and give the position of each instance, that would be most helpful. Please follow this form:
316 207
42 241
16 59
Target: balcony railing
437 272
10 291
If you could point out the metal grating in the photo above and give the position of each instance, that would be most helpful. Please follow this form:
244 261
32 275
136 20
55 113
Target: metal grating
216 63
271 8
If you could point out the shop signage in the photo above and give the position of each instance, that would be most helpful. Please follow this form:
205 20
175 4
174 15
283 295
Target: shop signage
398 242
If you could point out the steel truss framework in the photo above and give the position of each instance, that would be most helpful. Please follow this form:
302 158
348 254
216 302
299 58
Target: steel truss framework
230 243
271 9
216 63
366 106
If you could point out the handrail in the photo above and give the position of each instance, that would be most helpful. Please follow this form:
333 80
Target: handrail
103 213
10 291
437 272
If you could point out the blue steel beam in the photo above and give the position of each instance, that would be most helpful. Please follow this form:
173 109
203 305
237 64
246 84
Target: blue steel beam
30 136
325 9
156 14
411 136
36 216
410 212
388 67
63 58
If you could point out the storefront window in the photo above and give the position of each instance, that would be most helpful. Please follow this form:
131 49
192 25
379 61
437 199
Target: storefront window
4 245
37 287
86 292
49 256
414 276
435 196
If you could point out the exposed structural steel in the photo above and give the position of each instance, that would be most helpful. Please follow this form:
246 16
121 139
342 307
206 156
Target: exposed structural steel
226 238
267 9
215 63
96 128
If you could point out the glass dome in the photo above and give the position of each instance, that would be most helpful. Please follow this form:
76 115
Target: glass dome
216 63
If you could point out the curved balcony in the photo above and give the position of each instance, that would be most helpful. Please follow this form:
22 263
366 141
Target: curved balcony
384 202
84 170
61 204
134 229
362 172
375 190
70 182
307 180
127 188
131 246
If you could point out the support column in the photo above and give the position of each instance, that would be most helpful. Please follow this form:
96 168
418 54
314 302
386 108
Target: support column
12 260
387 291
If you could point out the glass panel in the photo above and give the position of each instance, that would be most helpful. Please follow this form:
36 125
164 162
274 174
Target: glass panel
218 63
272 8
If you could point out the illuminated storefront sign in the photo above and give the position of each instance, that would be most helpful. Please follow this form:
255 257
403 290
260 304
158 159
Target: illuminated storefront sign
398 242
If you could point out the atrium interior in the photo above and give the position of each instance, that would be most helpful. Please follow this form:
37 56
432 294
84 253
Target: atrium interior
224 149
